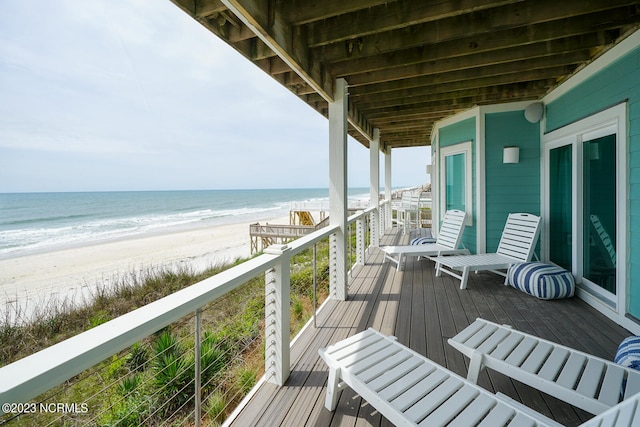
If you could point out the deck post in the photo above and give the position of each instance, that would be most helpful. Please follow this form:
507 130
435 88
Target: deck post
277 356
338 109
387 186
374 186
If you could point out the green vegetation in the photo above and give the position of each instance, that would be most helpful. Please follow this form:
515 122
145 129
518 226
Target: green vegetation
153 381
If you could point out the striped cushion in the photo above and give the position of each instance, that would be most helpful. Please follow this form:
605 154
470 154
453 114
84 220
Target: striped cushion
542 280
628 353
422 240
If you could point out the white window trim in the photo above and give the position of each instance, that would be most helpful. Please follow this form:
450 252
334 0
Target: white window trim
466 149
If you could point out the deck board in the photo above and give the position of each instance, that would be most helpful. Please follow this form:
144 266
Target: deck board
423 311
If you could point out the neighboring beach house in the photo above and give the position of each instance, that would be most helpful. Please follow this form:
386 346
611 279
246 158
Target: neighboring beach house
527 106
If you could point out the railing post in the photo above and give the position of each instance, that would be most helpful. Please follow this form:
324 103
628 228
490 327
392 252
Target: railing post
315 283
374 240
360 240
198 370
277 316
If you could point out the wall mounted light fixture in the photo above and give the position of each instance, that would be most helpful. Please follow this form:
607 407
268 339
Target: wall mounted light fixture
511 155
534 112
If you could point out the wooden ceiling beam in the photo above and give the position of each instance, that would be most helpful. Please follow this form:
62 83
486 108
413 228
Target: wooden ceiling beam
464 26
300 12
205 8
272 28
470 66
580 34
445 90
510 91
456 82
405 141
389 17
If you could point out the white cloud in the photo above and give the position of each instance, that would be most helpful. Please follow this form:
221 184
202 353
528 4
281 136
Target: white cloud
139 87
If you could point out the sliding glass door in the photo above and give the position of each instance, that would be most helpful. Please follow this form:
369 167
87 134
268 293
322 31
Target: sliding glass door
586 204
599 212
560 207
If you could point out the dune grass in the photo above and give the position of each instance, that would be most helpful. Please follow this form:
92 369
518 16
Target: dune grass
152 381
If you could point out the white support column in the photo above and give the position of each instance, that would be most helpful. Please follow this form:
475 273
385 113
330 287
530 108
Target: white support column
374 186
387 185
338 188
277 357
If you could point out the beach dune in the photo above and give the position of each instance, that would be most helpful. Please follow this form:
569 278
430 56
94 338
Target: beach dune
74 272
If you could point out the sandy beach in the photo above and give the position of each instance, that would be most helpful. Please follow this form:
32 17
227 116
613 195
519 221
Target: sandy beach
73 272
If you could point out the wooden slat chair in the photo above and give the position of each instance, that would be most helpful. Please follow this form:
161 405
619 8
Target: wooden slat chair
625 414
409 212
516 245
604 271
409 389
447 243
397 206
583 380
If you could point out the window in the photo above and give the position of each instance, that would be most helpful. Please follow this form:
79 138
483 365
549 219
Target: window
455 179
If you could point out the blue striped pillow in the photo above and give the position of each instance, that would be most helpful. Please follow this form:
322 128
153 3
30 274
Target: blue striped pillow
422 241
628 353
542 280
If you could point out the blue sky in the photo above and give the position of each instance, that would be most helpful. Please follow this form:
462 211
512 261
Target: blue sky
135 95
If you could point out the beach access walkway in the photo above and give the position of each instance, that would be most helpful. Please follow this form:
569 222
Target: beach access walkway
301 223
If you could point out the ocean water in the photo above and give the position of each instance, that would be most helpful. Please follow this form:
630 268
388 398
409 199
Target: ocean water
40 222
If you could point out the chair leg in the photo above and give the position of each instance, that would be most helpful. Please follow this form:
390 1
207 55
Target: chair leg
475 366
465 277
333 389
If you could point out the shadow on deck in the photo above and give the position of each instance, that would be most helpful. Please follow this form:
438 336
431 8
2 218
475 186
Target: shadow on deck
423 311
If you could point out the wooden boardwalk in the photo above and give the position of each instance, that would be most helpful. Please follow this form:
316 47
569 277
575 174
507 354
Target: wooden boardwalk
423 311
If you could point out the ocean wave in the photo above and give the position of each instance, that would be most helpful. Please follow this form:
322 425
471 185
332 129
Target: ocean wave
27 221
50 221
25 239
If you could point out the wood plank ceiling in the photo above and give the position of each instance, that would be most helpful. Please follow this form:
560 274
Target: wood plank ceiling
409 64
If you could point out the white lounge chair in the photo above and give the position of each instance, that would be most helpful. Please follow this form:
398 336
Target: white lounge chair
409 389
583 380
447 243
516 245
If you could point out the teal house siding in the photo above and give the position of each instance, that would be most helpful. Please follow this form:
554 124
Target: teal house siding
510 187
456 133
618 82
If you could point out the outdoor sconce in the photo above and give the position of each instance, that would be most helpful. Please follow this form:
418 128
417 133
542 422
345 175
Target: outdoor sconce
511 155
534 112
429 168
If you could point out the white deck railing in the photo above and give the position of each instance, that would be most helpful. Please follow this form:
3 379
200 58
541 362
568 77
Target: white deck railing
26 379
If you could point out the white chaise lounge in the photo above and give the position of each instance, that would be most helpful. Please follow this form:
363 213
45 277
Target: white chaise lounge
447 243
516 245
409 389
583 380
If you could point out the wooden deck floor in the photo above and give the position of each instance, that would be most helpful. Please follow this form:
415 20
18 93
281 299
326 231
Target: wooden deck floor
423 311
